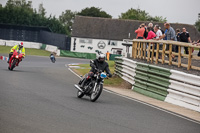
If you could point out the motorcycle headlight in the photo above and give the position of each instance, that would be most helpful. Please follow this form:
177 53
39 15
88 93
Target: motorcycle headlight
103 75
17 56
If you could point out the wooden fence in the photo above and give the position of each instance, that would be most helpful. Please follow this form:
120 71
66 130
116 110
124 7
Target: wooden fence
150 50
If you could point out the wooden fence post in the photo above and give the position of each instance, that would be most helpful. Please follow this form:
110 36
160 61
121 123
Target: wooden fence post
189 58
157 53
141 57
152 53
133 49
135 55
148 52
179 56
170 54
145 50
163 53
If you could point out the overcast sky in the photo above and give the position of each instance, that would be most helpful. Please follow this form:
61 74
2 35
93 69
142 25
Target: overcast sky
181 11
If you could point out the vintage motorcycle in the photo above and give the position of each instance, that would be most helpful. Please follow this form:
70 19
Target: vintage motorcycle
15 59
93 86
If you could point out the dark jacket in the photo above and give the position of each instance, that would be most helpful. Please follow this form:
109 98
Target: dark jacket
101 66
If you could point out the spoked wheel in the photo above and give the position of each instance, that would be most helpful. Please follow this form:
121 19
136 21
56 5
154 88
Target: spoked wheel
80 94
95 95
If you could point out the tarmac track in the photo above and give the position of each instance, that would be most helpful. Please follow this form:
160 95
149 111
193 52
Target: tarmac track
39 97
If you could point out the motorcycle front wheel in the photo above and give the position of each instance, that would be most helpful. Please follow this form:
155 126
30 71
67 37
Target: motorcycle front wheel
80 94
13 65
95 95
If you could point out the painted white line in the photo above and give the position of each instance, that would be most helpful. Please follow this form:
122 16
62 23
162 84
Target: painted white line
150 105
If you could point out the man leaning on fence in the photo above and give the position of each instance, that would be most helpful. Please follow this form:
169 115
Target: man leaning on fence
171 35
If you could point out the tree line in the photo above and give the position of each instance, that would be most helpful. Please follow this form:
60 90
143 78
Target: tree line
21 12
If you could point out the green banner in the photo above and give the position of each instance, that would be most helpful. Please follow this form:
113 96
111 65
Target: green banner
66 53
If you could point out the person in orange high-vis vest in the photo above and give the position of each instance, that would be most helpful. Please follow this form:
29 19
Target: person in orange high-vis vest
108 55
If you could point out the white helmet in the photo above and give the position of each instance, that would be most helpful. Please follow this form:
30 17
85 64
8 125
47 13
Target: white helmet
101 58
21 45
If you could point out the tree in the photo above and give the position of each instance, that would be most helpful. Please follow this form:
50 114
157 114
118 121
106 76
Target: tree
197 24
41 10
67 18
94 12
137 14
20 12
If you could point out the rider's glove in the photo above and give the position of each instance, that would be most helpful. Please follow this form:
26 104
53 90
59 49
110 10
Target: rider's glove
110 75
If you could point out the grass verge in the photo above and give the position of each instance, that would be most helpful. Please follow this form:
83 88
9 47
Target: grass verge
115 81
29 51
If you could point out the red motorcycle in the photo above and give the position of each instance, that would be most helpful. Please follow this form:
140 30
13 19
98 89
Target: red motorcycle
15 59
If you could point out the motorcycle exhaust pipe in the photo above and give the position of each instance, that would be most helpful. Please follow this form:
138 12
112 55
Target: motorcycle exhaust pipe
77 87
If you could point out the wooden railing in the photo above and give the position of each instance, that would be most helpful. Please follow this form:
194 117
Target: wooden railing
145 49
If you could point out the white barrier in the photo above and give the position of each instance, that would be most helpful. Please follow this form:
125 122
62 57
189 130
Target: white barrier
2 42
51 48
184 77
186 88
183 99
183 89
35 45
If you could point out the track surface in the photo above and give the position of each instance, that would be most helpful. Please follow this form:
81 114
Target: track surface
39 97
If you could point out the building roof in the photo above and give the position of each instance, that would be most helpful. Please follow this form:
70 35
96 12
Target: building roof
116 29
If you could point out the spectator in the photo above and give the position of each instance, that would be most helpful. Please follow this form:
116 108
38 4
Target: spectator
107 56
151 26
140 32
161 30
145 32
178 38
198 44
178 34
158 32
158 35
185 37
171 35
151 34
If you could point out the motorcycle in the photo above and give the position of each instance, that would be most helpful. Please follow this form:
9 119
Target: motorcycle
93 86
15 59
52 58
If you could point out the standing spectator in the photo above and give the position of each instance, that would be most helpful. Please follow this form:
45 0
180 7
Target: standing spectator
145 32
158 32
178 38
151 34
185 37
161 30
151 26
107 56
158 35
171 35
140 32
198 44
178 34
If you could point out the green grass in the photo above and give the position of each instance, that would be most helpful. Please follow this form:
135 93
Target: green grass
114 81
29 51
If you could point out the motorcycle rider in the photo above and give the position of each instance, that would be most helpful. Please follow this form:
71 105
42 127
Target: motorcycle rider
19 47
100 64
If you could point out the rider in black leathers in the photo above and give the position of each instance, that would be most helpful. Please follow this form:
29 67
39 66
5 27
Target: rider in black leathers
100 64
